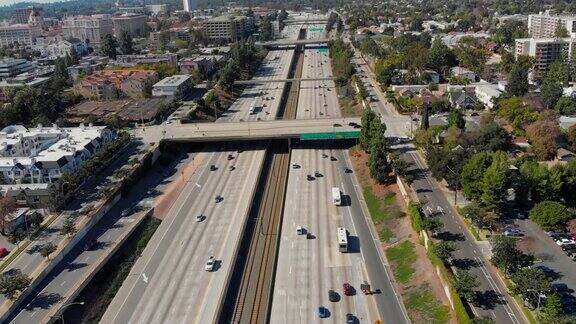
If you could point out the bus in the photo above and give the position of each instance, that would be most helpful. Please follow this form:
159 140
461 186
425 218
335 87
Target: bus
342 239
336 196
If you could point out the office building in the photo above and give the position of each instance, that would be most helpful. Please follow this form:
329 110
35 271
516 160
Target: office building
10 67
545 51
545 25
134 24
157 9
170 86
189 5
227 29
21 15
21 34
91 29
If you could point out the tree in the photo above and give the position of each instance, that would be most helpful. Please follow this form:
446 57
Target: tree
379 165
561 31
7 207
551 215
12 283
365 132
377 130
432 224
495 181
551 92
492 137
565 106
552 310
126 43
456 119
517 81
472 175
543 136
571 136
68 227
444 250
36 219
109 45
506 256
483 320
425 118
401 167
465 283
266 30
530 283
508 31
47 249
440 57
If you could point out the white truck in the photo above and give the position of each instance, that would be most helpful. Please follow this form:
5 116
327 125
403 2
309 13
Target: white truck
336 196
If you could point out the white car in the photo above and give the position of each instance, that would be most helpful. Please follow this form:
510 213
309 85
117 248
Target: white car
210 264
564 241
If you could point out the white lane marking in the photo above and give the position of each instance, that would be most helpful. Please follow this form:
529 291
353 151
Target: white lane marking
144 278
62 283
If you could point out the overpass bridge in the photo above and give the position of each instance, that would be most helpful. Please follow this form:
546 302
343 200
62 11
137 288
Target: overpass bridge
303 129
277 43
255 81
305 21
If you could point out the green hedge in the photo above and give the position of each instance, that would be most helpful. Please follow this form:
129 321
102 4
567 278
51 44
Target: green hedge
461 313
415 216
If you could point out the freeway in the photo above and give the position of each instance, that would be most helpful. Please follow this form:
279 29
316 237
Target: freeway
308 268
177 289
494 299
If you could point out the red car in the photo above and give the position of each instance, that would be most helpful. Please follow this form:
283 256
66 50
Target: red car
3 252
348 291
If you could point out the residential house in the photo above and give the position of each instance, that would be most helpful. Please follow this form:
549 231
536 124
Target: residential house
565 155
463 73
114 84
462 99
487 93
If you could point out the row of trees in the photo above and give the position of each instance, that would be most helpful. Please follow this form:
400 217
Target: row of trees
341 55
111 45
244 60
372 140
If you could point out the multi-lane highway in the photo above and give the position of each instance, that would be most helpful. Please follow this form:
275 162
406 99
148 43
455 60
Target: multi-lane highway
308 268
178 289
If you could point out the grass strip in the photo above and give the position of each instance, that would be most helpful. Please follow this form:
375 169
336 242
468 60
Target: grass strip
403 256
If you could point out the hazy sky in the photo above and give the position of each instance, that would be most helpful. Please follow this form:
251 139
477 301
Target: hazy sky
9 2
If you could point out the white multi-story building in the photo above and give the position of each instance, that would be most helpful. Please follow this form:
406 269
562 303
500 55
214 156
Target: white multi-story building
43 154
61 48
134 24
90 29
21 34
545 25
545 51
227 28
189 5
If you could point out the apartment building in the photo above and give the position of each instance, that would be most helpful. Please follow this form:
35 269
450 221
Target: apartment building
544 25
114 84
43 154
91 29
61 48
87 66
227 29
170 86
134 24
545 51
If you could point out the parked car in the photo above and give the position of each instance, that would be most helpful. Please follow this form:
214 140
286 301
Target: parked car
322 312
351 319
210 264
332 296
324 155
564 240
347 170
332 158
513 232
230 157
348 291
295 166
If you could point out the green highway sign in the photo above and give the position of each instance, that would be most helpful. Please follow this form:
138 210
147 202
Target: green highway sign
329 135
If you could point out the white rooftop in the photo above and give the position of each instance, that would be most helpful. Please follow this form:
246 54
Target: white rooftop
172 81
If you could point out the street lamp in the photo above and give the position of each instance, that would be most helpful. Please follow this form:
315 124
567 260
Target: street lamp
64 309
539 298
455 188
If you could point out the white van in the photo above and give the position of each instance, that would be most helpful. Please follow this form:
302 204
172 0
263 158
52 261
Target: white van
299 230
336 196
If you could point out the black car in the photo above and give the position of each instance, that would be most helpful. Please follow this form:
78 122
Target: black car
352 124
230 157
309 177
332 296
351 319
337 125
333 158
324 155
318 174
218 199
213 167
347 170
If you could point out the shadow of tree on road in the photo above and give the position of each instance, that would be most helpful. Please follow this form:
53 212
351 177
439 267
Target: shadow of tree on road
44 301
488 299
